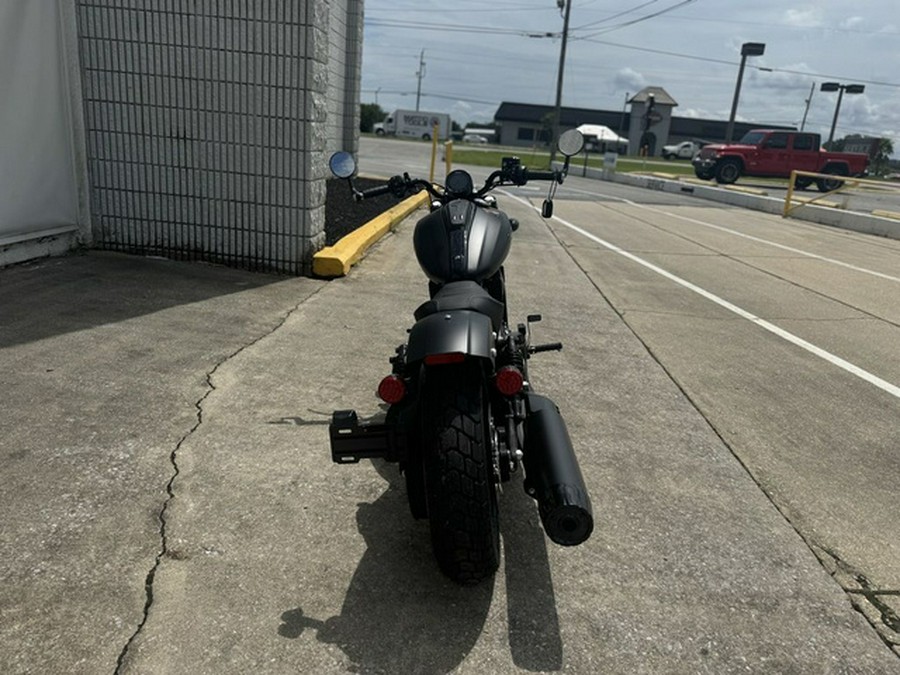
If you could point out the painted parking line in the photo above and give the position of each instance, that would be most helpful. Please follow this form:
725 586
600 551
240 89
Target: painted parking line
865 375
759 240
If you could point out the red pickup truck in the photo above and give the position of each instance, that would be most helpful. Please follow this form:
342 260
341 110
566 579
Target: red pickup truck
775 153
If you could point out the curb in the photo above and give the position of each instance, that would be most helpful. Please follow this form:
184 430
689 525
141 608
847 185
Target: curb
824 213
336 261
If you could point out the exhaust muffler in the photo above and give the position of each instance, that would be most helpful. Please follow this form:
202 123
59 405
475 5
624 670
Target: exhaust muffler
552 475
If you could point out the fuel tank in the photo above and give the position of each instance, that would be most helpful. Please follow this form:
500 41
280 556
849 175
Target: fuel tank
462 241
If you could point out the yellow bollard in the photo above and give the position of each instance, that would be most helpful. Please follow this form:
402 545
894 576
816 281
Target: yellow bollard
790 193
434 142
448 157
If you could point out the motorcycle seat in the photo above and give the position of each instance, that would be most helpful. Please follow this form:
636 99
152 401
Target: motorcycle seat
463 295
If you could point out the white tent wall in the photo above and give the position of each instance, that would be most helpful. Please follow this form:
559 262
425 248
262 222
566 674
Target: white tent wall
42 204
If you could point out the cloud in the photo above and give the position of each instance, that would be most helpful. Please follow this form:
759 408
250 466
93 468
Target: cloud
806 17
629 80
778 80
852 22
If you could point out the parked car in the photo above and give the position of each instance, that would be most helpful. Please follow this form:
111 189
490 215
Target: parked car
474 138
684 150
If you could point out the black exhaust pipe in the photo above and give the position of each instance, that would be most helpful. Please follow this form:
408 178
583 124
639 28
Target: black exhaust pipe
552 475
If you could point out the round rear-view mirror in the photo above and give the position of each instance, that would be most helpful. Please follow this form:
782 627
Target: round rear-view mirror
571 142
342 164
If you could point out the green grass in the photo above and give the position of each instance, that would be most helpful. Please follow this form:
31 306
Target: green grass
540 160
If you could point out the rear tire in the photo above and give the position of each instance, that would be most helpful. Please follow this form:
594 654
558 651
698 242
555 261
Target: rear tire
459 474
830 184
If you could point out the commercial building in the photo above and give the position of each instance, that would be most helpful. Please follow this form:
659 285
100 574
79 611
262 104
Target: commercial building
527 124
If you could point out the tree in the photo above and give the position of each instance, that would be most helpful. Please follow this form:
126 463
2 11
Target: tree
369 114
881 162
880 157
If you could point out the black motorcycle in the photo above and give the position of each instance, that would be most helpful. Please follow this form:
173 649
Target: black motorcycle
462 416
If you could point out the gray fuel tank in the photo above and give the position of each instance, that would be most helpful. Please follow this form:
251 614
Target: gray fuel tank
462 241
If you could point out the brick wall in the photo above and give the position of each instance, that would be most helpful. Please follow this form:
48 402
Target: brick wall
209 124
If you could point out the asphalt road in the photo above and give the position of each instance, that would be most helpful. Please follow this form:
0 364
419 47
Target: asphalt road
728 378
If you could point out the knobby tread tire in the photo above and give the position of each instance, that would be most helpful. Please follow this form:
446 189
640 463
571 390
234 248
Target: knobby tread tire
462 501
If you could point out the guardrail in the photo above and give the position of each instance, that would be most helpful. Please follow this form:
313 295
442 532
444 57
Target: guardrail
844 183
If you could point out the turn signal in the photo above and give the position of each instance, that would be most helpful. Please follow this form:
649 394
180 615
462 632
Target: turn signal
391 389
509 380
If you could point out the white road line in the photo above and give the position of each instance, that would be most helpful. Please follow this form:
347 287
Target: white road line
762 323
745 236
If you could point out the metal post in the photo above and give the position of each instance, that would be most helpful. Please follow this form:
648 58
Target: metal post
729 133
420 73
747 49
837 109
808 101
559 82
840 88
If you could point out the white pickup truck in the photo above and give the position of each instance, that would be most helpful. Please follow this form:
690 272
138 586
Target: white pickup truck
685 150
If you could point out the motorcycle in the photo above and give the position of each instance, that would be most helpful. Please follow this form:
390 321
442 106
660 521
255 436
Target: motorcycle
462 416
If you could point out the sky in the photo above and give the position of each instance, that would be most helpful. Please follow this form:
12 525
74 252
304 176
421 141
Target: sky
478 54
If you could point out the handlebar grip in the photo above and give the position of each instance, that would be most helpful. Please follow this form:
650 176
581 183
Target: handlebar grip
542 175
373 192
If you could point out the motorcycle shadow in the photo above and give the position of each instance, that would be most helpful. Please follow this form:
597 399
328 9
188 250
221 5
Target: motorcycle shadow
534 637
400 614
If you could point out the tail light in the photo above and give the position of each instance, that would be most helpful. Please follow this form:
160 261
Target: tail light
442 359
391 389
509 380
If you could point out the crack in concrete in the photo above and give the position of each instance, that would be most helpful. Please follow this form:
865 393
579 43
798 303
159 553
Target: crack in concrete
170 491
845 575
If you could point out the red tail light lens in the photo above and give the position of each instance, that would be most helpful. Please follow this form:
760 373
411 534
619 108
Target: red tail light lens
391 389
442 359
509 381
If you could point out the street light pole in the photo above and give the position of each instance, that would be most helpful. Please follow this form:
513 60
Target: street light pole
747 49
840 88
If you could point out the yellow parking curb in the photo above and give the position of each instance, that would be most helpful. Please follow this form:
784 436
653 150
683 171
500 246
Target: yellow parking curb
745 190
886 214
336 261
817 202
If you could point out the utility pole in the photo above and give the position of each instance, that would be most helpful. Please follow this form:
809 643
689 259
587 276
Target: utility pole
559 77
420 73
808 101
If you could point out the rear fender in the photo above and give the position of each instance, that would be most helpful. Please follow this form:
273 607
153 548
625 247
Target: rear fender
453 332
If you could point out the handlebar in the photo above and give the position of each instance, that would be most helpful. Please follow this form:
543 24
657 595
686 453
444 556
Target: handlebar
401 186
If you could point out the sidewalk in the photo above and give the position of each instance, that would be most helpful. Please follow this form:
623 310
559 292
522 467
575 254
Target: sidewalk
106 360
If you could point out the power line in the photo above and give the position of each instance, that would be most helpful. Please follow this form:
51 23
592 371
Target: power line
707 59
640 19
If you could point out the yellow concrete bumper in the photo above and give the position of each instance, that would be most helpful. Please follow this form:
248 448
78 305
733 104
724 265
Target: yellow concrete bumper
336 261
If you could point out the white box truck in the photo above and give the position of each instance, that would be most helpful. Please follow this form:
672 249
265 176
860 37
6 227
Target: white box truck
414 124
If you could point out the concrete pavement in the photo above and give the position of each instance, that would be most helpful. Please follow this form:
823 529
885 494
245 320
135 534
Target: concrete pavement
171 506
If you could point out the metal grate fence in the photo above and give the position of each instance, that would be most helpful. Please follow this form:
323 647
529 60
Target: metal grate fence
200 120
